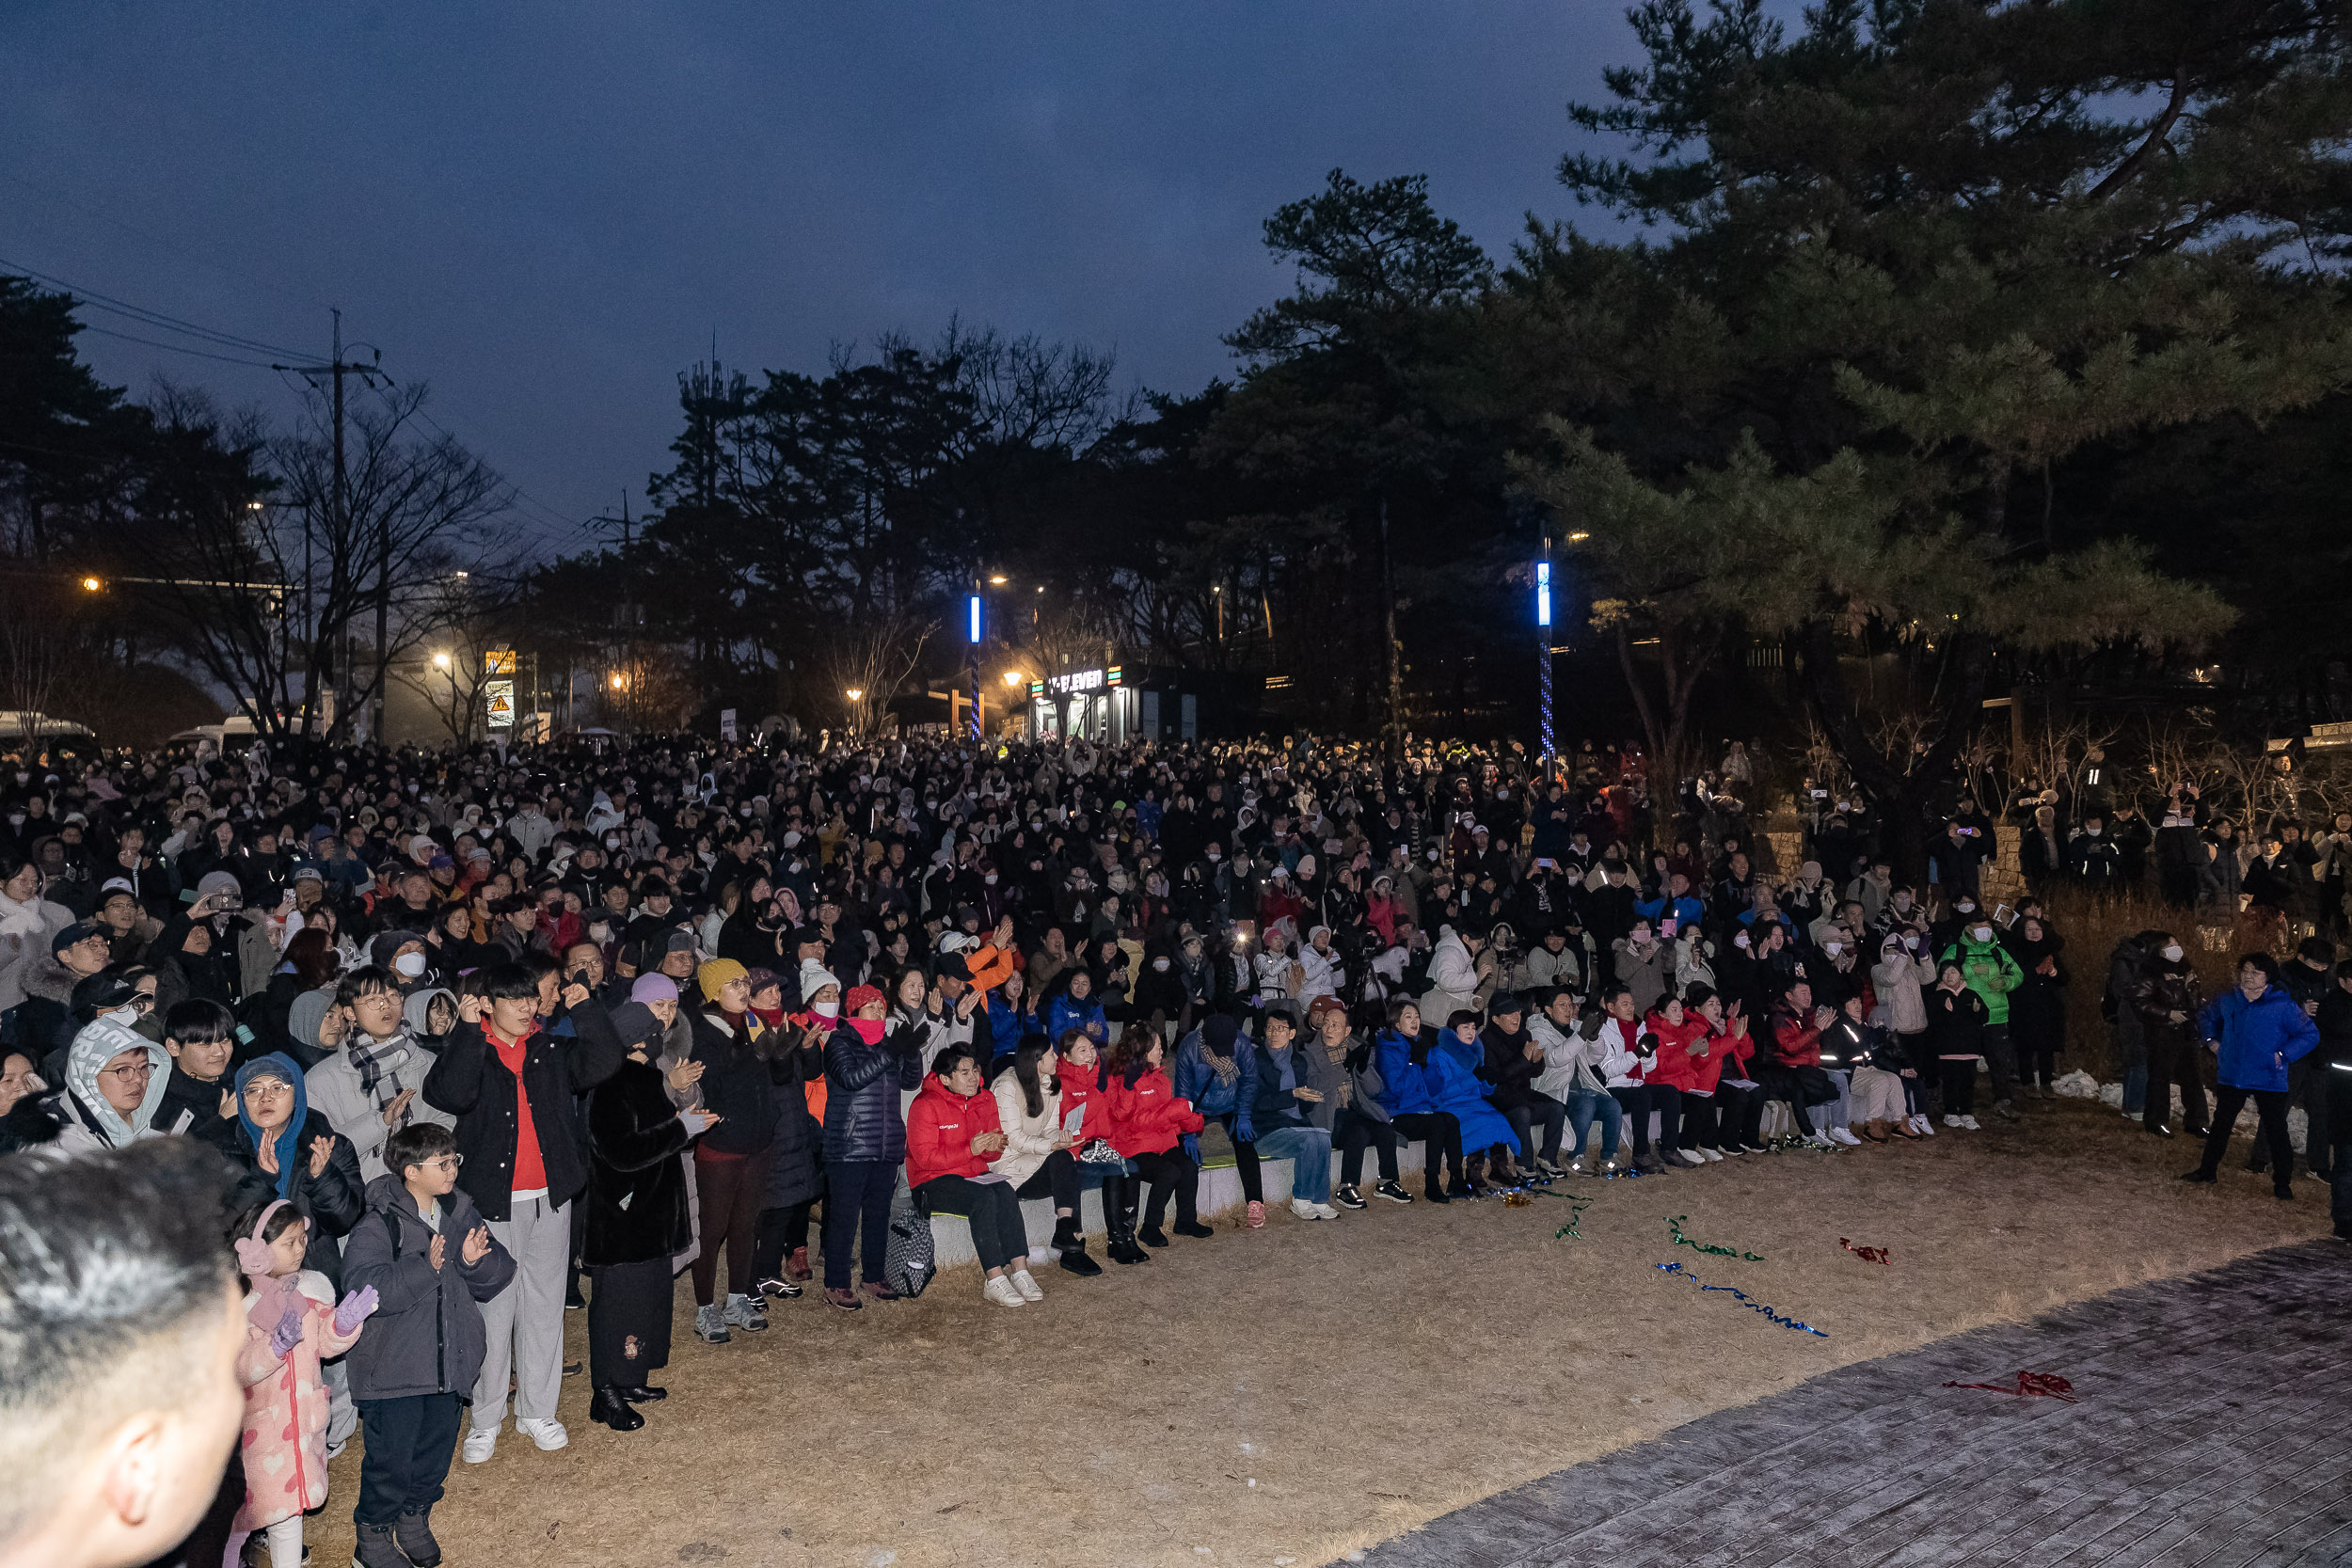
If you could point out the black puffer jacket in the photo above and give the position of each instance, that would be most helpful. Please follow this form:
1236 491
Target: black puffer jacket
862 1117
792 1168
468 1082
735 1086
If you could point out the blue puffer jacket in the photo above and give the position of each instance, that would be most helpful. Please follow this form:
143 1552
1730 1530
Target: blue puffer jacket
1453 1090
2258 1039
1403 1089
1067 1013
863 1118
1006 1024
1198 1082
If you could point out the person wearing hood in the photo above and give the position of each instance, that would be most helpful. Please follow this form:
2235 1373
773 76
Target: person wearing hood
636 1221
27 922
286 1150
430 1015
1900 980
2038 1006
115 1085
1992 973
1216 1072
368 1088
951 1138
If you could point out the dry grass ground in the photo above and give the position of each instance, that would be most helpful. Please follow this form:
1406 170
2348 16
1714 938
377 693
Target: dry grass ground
1288 1396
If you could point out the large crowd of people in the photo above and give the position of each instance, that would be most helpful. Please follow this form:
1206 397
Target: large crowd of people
477 1038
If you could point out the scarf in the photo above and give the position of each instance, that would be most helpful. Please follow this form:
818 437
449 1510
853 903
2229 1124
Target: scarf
1338 1055
1217 1031
273 1296
377 1060
289 1137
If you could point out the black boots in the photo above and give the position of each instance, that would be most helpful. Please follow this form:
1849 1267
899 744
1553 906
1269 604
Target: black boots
614 1411
1119 1195
1072 1247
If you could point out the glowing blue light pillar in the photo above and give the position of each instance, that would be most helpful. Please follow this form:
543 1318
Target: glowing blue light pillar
972 618
1543 666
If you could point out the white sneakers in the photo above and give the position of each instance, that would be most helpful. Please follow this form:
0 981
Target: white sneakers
1951 1118
1845 1135
1714 1154
1026 1286
1000 1291
481 1443
549 1435
1924 1125
1307 1211
1690 1156
1969 1123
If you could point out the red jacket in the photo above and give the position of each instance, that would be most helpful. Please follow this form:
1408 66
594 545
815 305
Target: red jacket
1726 1052
1796 1041
1147 1117
1674 1063
1082 1086
941 1125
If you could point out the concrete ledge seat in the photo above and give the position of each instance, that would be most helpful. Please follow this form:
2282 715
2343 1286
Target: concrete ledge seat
1220 1193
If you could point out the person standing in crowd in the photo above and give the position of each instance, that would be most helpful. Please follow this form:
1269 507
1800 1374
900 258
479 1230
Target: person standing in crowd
733 1158
512 1089
1956 1025
2164 997
2256 1033
1993 974
866 1064
434 1263
637 1221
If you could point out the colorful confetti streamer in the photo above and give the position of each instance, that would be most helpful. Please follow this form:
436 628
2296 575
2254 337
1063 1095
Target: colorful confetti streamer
1576 1212
1867 1253
1750 1301
1674 1224
2048 1386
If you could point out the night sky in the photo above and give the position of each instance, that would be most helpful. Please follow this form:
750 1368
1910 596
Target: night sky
546 210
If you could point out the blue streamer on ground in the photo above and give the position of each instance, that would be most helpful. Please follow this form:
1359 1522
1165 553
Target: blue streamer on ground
1739 1295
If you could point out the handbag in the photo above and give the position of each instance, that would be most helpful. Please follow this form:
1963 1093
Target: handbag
908 1257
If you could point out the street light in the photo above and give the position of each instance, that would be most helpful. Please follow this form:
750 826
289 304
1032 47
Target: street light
1013 678
91 585
440 661
1543 634
619 680
855 693
998 580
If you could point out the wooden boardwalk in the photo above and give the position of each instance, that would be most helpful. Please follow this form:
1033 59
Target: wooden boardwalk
2213 1426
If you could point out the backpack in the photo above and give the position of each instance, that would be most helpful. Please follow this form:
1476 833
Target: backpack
908 1260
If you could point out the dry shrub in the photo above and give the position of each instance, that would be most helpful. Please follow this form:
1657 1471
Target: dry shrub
2092 924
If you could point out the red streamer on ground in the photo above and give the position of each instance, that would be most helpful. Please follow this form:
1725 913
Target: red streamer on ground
2048 1386
1867 1253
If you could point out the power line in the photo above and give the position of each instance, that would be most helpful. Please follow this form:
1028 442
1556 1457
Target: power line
176 348
151 316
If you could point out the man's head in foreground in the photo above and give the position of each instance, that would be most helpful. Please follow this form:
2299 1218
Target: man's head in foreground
119 1328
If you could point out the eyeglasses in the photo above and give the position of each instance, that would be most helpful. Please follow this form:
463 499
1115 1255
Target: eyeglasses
131 1070
447 1162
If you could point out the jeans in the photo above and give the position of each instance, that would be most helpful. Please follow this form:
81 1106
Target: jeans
1308 1150
407 1443
2271 1105
1583 1105
857 1210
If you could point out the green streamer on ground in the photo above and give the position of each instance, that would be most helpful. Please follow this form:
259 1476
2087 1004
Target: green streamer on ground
1576 1212
1675 1226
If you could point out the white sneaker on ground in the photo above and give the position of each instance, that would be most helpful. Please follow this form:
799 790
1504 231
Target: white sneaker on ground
549 1434
1690 1156
1714 1156
1952 1119
481 1443
1304 1209
1026 1286
1000 1291
1970 1123
1722 1153
1325 1211
1924 1123
1845 1135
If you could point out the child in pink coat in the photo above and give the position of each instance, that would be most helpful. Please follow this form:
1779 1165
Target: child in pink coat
292 1324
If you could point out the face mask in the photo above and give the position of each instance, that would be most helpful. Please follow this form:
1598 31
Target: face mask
1833 948
826 1009
1159 963
1903 900
410 965
2172 952
1983 933
2092 833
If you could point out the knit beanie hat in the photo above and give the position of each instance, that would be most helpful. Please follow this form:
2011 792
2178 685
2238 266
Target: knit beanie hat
860 996
714 975
653 988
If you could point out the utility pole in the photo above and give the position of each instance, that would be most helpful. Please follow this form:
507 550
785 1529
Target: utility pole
629 590
340 511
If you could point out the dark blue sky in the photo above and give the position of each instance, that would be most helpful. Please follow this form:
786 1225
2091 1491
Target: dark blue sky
545 210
